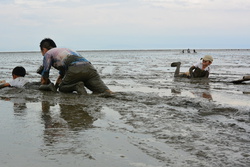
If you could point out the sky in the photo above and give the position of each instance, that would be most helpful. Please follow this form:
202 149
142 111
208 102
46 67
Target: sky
125 24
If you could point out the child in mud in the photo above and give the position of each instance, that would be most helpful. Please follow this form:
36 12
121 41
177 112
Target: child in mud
19 81
198 70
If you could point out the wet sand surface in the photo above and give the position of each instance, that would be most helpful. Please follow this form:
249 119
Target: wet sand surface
152 120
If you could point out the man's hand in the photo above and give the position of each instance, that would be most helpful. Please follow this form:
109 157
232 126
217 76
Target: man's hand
58 81
45 81
39 70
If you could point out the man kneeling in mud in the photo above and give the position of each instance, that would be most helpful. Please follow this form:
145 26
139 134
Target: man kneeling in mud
198 70
75 72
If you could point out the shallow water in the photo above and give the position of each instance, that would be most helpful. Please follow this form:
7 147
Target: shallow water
153 120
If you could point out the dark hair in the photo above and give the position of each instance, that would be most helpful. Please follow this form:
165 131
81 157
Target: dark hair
19 71
47 43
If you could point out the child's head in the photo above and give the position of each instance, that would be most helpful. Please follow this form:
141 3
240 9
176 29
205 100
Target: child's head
19 71
207 60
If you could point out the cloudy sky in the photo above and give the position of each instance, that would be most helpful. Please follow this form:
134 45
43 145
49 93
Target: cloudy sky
125 24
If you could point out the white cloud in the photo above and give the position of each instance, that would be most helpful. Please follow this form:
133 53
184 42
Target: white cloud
30 3
123 18
115 12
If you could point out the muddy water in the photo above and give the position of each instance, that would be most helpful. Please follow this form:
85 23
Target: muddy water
152 120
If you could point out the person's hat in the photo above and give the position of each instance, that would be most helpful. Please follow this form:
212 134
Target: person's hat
208 58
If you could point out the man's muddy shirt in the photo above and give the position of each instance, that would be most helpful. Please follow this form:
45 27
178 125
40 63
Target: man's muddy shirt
61 59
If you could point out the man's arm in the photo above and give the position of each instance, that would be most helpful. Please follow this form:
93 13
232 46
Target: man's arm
58 81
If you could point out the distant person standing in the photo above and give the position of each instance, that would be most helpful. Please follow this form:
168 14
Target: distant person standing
75 71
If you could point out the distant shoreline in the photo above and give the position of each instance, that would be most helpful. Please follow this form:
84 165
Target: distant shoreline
124 50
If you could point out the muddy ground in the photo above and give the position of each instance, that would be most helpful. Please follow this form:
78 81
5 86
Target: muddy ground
151 120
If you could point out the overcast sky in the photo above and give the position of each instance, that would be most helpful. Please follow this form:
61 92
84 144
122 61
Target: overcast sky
125 24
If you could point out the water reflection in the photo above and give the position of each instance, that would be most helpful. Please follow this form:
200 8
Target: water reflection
54 128
64 126
198 87
205 95
76 117
19 106
69 118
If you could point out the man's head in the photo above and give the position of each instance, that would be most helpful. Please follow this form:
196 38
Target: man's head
18 71
47 44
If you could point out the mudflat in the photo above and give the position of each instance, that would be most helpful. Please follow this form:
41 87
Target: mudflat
153 119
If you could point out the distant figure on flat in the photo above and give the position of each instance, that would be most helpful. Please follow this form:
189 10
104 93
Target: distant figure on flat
239 81
200 69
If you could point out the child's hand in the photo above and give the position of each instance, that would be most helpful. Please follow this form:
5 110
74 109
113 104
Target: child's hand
188 74
3 81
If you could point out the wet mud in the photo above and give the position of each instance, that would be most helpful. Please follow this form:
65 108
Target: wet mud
153 119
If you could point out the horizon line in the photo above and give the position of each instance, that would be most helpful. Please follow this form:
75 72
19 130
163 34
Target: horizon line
100 50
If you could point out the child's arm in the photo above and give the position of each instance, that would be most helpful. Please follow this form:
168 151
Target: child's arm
2 85
191 70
